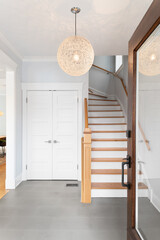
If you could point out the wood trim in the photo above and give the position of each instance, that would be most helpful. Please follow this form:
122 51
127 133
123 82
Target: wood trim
82 169
107 124
108 117
108 160
86 112
109 139
103 105
108 171
97 95
114 131
104 100
105 111
109 149
86 168
144 137
115 75
99 185
148 24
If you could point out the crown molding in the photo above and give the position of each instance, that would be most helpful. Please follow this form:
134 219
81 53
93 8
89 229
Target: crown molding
10 46
40 59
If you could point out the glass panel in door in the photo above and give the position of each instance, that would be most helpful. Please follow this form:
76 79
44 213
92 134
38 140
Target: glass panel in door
148 138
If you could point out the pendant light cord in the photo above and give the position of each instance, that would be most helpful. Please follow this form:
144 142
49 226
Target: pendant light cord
75 24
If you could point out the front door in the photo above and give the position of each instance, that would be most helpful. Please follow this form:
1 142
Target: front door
52 135
144 129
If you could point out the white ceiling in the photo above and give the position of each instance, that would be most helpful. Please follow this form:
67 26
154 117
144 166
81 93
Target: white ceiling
37 27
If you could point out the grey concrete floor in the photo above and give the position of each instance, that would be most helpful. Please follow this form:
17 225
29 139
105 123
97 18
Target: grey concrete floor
45 210
149 220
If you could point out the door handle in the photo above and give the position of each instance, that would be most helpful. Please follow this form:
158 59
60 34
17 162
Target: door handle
128 162
48 141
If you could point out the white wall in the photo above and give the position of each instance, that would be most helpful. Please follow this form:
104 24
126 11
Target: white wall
13 55
49 71
100 80
119 91
3 118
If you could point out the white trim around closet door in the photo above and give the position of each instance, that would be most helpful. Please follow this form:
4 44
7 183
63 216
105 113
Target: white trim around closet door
52 87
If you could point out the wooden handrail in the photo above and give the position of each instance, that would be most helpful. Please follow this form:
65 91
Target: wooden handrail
115 75
86 112
144 137
125 90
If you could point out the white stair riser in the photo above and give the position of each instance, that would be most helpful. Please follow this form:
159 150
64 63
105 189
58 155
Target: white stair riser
108 193
109 144
104 107
108 128
108 154
102 102
99 114
106 165
106 120
107 178
109 135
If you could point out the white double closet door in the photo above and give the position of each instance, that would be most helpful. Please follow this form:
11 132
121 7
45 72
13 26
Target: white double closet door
52 135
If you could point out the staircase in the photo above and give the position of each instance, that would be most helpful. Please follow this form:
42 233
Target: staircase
109 146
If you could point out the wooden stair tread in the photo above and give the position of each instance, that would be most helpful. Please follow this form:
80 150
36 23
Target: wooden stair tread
108 117
105 111
108 171
109 139
108 131
107 105
142 186
107 123
108 100
109 149
97 95
99 185
107 160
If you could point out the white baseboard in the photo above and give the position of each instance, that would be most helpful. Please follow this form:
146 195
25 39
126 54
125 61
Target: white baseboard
18 180
155 201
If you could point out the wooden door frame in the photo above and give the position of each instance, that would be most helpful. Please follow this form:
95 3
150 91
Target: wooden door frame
148 24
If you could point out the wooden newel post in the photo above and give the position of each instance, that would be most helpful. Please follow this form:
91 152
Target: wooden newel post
86 167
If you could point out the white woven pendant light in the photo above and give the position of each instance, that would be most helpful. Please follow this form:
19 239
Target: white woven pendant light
75 54
149 57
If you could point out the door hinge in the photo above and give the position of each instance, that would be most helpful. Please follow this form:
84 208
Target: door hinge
26 100
26 167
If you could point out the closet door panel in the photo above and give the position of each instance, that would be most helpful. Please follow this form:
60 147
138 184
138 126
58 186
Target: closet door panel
39 139
65 135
